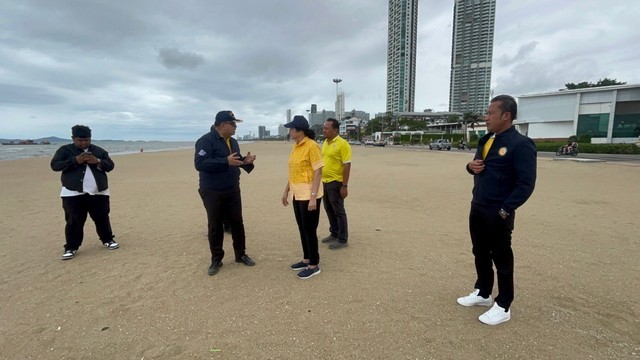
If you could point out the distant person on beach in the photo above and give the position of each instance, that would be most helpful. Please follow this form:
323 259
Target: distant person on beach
504 176
218 161
336 154
305 175
85 189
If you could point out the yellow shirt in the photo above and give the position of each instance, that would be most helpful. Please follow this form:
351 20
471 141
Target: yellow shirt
305 157
335 154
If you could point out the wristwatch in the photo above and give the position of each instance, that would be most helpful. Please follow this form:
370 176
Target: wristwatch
503 213
344 185
314 194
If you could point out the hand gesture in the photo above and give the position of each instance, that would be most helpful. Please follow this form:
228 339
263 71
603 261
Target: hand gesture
90 159
476 166
234 159
80 159
249 159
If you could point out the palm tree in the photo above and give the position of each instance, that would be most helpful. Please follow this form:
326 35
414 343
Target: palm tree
469 119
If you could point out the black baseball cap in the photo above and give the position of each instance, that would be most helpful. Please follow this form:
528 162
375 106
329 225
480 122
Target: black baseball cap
225 116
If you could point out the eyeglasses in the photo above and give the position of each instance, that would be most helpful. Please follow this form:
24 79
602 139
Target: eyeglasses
232 123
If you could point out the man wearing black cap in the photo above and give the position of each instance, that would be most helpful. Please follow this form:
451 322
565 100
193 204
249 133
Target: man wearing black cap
218 160
85 189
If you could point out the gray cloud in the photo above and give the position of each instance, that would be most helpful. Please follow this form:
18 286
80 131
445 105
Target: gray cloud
175 58
524 52
27 95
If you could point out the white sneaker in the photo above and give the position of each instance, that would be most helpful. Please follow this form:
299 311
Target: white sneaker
474 300
495 315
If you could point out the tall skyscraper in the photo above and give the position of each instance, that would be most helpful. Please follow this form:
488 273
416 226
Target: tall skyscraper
471 54
401 55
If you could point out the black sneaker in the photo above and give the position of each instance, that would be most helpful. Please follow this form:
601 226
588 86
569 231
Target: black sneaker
214 268
68 254
338 245
307 273
329 239
111 245
299 266
245 259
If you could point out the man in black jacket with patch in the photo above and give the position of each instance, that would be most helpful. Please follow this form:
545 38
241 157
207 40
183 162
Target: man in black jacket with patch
218 161
504 176
85 189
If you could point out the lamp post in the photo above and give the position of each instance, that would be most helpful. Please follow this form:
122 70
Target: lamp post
337 81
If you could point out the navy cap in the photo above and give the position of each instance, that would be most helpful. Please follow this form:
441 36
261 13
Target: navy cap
299 122
225 116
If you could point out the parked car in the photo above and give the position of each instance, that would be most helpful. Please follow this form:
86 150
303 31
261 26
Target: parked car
440 144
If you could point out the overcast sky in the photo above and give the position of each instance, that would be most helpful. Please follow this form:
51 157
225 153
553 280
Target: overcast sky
160 69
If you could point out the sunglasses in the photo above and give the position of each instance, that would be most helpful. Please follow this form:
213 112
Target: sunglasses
232 123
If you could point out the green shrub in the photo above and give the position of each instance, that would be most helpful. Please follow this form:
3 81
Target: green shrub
584 138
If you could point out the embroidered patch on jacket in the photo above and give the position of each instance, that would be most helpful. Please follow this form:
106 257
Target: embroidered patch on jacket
502 151
202 152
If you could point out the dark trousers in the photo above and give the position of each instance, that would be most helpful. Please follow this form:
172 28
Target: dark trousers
491 240
307 226
334 206
227 205
76 209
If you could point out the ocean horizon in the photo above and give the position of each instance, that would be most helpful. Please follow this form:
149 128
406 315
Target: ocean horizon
114 147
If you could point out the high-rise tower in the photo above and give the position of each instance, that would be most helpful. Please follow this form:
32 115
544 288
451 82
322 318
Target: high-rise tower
401 55
471 54
340 106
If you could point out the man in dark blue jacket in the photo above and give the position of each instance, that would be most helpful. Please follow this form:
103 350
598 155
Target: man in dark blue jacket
218 160
504 176
85 189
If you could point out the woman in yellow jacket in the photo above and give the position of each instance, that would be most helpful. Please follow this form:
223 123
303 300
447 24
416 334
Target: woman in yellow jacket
305 177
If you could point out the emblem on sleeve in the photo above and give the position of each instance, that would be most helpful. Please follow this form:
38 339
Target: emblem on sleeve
502 151
202 152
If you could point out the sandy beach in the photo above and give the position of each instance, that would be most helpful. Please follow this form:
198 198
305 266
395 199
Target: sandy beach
390 295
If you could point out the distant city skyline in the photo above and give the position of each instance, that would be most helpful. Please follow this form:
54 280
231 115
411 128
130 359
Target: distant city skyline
138 71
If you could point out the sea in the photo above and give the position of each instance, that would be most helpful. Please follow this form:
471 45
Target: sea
114 147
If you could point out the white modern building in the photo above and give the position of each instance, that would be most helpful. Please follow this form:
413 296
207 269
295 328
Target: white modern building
401 55
352 125
471 55
610 114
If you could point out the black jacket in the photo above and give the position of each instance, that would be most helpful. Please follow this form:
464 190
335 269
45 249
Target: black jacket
211 162
73 173
509 174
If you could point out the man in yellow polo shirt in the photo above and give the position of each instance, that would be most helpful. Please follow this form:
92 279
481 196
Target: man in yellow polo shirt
336 153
